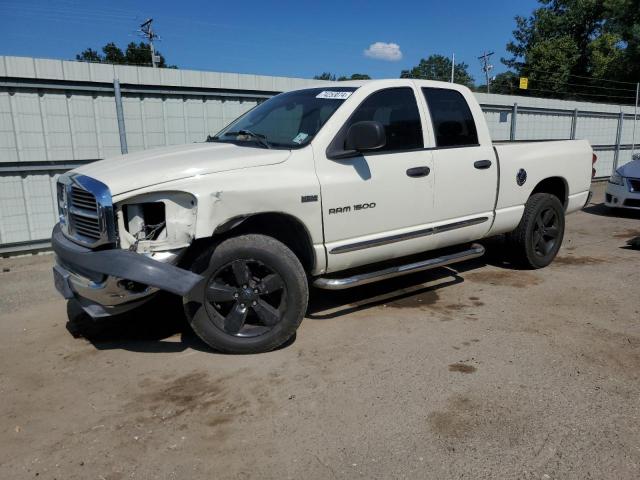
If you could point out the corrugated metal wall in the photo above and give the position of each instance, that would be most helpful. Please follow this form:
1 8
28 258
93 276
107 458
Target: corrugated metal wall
56 114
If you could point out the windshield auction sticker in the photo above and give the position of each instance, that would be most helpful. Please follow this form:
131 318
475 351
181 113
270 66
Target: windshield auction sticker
334 95
301 137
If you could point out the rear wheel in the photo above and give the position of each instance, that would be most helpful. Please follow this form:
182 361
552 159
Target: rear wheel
254 296
538 237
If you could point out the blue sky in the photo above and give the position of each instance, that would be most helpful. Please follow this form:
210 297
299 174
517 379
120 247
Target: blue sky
279 38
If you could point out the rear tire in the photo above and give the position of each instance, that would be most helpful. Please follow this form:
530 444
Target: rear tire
538 237
254 296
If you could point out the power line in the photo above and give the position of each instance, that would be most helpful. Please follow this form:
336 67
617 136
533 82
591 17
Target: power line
524 67
86 15
578 85
514 91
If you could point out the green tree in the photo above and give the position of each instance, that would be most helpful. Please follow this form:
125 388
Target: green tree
438 67
89 55
325 76
332 78
607 57
624 21
135 54
563 21
570 46
355 76
113 54
140 54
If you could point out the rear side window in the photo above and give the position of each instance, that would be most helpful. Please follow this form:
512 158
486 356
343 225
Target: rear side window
397 110
452 120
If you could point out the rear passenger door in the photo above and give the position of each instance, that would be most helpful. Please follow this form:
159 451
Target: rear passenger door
466 172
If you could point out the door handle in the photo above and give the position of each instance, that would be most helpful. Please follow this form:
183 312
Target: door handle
482 164
418 172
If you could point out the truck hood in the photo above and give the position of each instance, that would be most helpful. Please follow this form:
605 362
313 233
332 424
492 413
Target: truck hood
130 172
631 169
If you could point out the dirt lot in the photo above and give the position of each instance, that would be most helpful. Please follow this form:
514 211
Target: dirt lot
477 371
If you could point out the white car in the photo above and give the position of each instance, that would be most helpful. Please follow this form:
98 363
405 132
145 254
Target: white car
301 190
623 190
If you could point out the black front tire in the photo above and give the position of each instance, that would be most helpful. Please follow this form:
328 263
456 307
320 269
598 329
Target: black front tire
538 237
254 296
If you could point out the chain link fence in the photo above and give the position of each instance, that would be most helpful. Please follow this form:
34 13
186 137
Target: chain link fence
612 134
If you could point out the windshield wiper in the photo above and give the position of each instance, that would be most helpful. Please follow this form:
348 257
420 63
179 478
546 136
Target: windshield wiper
261 139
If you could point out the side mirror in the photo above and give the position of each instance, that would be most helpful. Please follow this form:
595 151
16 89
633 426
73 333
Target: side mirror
365 136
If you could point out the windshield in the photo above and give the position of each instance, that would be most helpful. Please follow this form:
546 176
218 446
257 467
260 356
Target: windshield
288 120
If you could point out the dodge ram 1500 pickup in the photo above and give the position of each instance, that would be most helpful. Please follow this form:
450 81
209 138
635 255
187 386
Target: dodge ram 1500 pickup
334 187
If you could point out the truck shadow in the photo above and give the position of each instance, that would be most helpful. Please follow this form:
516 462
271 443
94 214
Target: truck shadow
327 304
161 327
601 210
157 327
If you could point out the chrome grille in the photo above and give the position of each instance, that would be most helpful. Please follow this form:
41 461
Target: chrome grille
86 211
83 199
87 226
84 216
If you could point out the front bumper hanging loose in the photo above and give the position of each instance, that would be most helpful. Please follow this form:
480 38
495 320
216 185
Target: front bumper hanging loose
100 279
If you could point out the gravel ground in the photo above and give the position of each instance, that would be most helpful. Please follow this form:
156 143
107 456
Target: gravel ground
476 371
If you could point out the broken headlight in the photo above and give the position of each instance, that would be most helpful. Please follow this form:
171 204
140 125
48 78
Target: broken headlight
157 221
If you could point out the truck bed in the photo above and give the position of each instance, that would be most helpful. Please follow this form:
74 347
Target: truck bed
567 159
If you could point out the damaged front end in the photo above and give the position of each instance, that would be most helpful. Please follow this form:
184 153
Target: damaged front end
114 257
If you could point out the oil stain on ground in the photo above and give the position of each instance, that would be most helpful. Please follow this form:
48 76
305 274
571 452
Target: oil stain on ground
575 260
465 417
505 278
187 392
430 301
456 420
476 301
421 300
462 367
212 399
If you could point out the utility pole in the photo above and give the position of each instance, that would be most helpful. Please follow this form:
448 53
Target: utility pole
486 67
148 32
453 66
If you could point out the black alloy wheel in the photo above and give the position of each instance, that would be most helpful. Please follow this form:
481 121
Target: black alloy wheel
253 297
538 237
545 232
245 298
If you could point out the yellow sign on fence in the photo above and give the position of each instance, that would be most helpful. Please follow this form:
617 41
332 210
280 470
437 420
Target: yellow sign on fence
524 83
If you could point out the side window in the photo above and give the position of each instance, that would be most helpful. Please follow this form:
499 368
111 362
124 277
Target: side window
397 110
452 120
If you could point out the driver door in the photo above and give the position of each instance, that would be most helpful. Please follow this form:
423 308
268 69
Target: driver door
373 203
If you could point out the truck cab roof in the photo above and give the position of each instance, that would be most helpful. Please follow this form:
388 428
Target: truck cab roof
395 82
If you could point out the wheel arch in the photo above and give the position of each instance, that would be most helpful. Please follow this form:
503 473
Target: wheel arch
556 186
282 226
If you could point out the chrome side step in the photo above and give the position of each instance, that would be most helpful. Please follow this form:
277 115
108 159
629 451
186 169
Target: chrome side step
475 251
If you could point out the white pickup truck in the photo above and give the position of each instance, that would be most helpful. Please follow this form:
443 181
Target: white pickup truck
335 186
